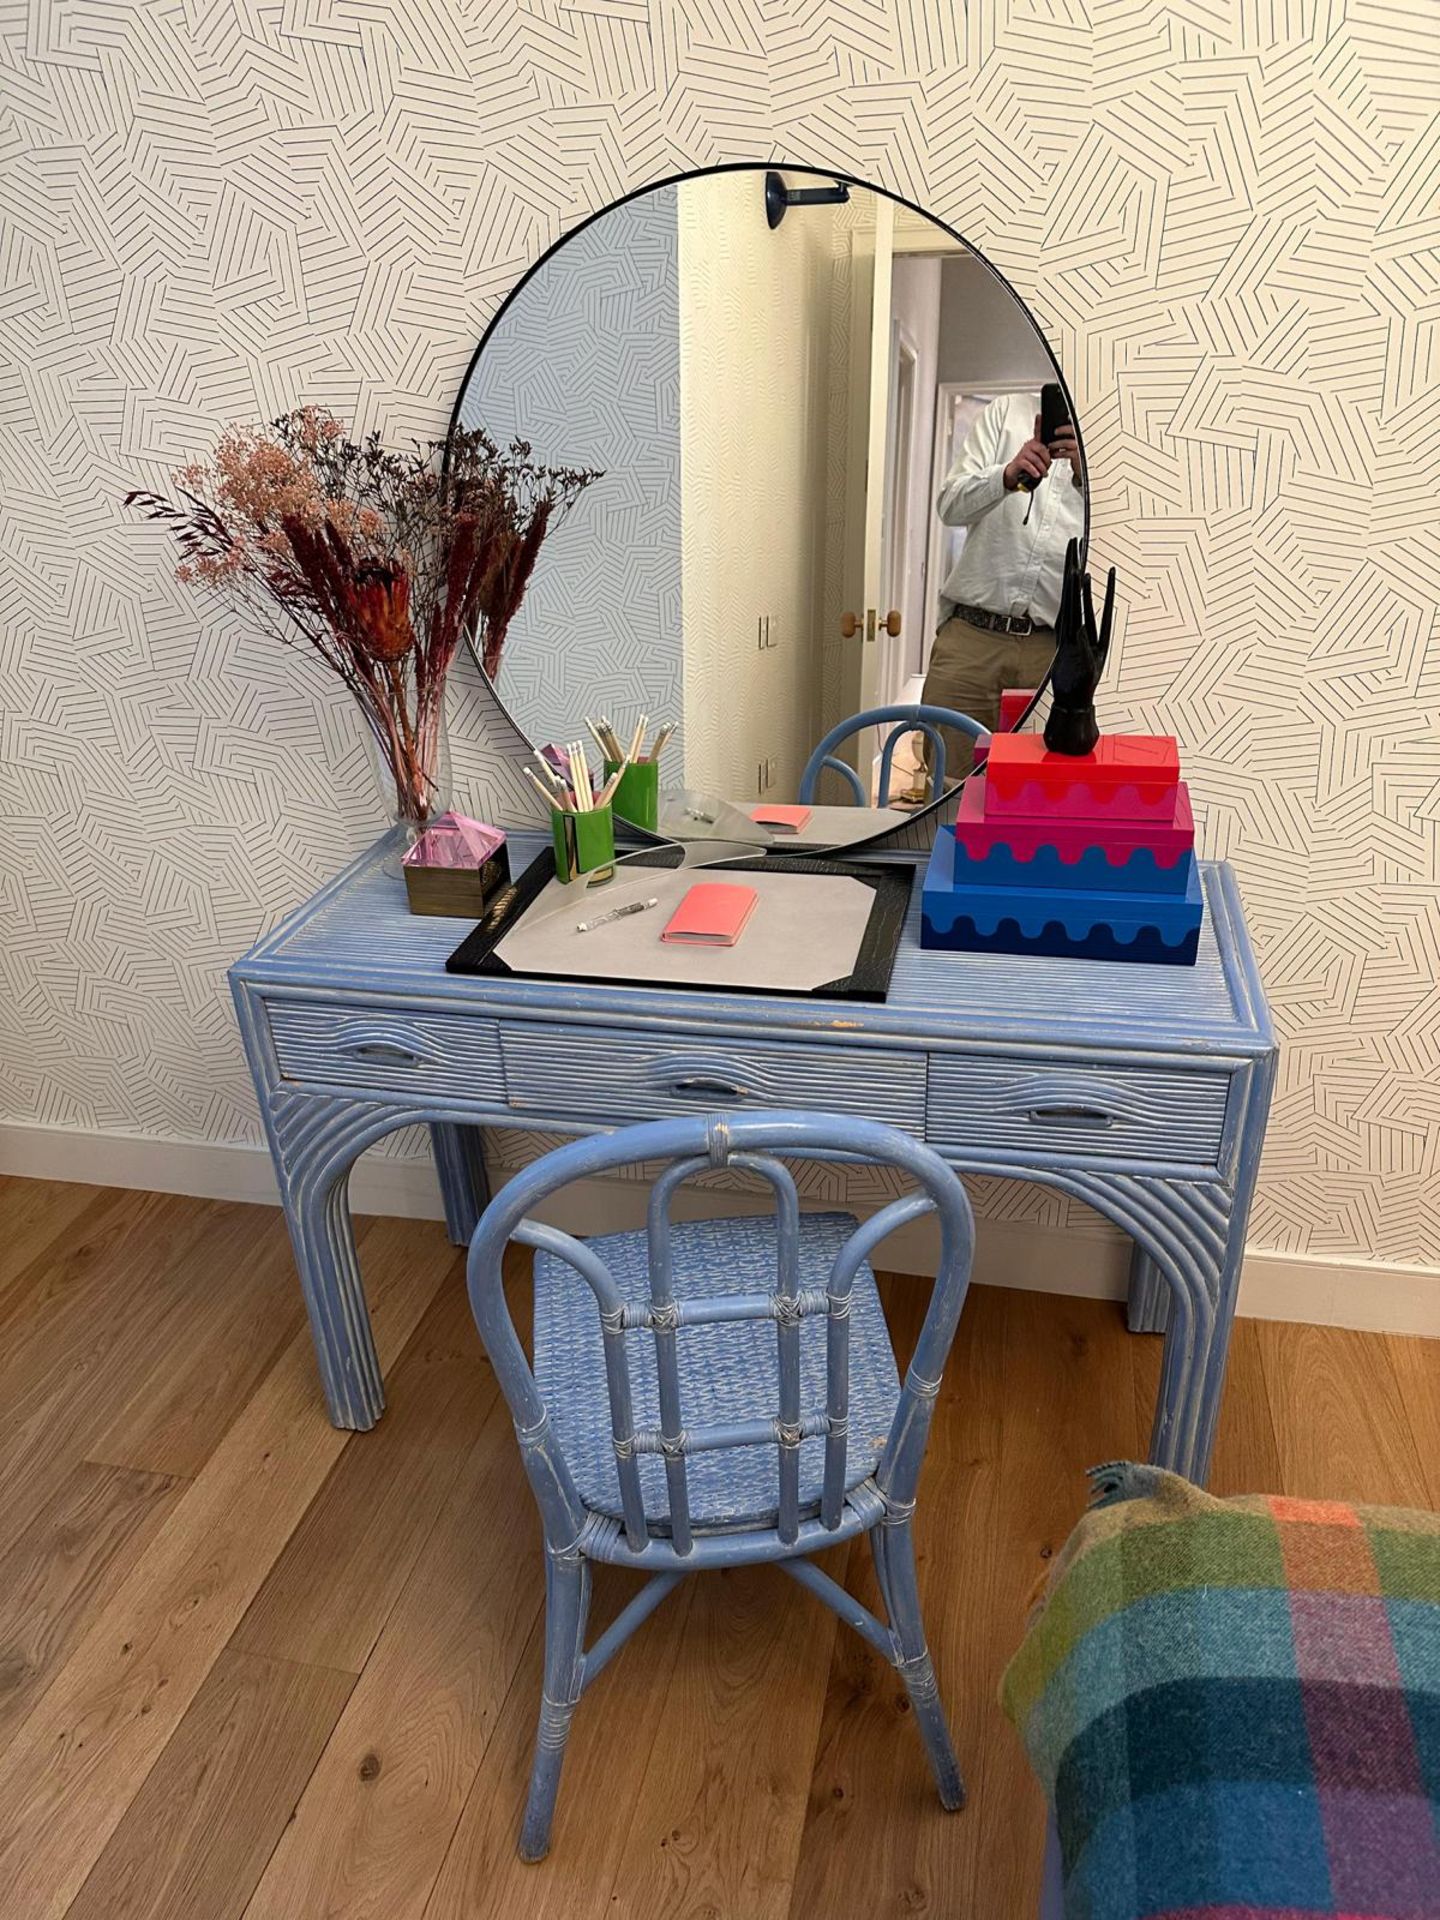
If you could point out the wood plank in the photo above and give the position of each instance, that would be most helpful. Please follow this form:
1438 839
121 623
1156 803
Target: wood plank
717 1824
69 1277
197 1835
483 1877
876 1839
374 1824
1069 1403
332 1589
1247 1455
34 1215
68 1776
100 1307
66 1566
241 1308
1339 1416
1416 1365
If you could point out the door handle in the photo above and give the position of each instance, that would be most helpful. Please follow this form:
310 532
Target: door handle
850 624
383 1050
697 1085
1068 1116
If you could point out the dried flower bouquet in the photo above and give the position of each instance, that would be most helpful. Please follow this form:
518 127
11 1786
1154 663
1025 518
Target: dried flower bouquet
382 562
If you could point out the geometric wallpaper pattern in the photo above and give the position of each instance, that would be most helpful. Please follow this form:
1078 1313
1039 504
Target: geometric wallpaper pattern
585 365
1224 213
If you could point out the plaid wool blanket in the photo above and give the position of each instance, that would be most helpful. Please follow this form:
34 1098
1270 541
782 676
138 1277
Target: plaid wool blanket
1234 1706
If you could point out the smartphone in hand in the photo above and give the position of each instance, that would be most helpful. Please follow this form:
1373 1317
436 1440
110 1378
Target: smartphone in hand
1054 411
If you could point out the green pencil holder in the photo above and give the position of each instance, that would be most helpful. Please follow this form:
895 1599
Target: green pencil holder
584 842
637 798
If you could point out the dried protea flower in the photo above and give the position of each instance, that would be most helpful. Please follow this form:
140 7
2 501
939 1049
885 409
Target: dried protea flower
382 612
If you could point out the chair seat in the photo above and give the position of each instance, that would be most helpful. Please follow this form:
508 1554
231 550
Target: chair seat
728 1371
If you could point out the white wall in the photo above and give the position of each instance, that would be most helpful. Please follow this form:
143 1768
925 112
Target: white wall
983 336
754 373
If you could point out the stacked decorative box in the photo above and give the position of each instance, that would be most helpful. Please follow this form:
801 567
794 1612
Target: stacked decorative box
1088 856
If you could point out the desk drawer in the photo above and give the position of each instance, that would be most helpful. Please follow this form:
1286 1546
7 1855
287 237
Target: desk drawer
364 1047
650 1076
1103 1113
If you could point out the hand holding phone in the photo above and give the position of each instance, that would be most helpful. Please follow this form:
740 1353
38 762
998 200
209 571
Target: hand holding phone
1030 465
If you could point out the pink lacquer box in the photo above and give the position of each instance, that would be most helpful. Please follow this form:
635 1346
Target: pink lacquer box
1169 838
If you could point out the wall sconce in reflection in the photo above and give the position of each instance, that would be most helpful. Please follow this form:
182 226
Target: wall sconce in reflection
778 197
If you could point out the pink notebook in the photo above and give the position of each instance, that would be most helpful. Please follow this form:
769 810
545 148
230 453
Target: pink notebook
711 915
785 819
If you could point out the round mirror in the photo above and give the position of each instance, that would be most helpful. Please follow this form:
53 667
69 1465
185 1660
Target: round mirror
839 472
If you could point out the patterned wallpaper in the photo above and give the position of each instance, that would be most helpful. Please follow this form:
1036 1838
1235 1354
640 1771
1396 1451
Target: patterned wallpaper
1225 216
585 364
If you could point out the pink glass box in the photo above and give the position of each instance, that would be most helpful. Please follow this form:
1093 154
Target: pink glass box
456 867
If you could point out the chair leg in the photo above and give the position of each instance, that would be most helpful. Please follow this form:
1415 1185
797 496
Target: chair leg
894 1552
567 1604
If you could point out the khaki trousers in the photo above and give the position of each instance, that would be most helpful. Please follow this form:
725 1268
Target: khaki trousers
970 667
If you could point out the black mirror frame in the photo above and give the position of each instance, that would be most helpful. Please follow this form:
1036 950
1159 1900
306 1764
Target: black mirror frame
876 841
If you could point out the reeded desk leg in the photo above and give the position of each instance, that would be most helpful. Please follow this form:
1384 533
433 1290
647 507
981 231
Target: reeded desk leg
464 1185
1227 1286
1147 1308
1182 1227
1197 1248
314 1143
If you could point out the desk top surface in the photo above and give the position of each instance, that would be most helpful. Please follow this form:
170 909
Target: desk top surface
356 936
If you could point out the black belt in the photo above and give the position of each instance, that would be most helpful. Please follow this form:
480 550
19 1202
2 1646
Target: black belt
999 622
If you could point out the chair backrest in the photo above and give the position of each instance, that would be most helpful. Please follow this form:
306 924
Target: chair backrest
694 1145
907 720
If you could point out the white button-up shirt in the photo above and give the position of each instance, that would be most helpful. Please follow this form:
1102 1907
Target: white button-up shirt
1006 565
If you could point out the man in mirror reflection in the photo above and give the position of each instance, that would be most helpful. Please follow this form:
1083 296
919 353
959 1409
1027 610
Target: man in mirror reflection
1000 599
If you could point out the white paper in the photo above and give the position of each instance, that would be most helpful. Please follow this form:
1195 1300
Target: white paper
807 929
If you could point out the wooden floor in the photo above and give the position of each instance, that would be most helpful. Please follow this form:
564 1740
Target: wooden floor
253 1667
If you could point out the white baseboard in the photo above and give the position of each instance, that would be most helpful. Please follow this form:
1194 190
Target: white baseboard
1374 1296
226 1170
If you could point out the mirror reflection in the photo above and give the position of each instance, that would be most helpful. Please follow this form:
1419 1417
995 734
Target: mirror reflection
839 475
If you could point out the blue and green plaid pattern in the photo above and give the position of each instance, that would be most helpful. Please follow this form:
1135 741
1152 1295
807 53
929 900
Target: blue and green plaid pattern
1234 1706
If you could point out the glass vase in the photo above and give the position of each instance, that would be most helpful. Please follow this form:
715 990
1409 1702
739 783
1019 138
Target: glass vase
413 781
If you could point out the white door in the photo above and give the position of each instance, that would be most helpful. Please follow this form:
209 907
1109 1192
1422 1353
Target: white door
871 259
897 555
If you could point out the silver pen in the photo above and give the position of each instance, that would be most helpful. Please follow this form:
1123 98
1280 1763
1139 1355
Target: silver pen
619 913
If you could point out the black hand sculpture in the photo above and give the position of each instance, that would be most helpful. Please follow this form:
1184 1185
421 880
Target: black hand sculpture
1080 654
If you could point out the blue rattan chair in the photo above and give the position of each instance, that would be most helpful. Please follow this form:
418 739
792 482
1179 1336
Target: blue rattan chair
906 720
718 1393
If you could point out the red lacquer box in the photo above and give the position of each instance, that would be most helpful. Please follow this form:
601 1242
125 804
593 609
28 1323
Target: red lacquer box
1129 776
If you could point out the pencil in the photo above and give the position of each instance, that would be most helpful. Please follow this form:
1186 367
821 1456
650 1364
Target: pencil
544 792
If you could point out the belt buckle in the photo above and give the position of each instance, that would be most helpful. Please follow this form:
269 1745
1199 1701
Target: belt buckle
1017 623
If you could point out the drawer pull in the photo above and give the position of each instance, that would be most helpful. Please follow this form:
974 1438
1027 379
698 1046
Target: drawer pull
695 1085
384 1050
1062 1116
